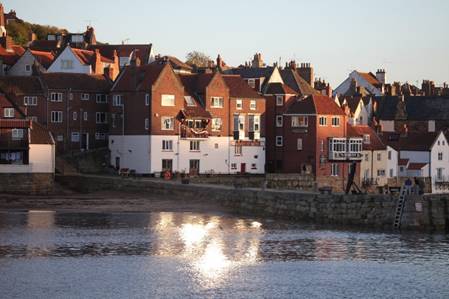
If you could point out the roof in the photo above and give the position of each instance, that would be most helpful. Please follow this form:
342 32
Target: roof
11 56
315 104
88 57
352 102
175 63
238 88
14 123
416 166
403 162
252 72
195 112
413 141
75 81
107 50
374 144
20 85
40 135
44 58
44 45
370 78
138 77
416 107
296 82
279 88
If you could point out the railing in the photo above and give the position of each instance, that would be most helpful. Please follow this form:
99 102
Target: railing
345 148
191 133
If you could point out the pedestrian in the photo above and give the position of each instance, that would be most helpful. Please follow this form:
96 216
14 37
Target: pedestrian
416 187
408 186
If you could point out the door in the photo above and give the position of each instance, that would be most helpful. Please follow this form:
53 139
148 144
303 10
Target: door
243 168
85 141
117 163
194 166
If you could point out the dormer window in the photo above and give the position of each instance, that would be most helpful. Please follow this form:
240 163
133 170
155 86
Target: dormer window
66 64
366 139
189 101
279 100
252 83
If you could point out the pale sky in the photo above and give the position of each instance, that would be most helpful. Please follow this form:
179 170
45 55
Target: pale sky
410 39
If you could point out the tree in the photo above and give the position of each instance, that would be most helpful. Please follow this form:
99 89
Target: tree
19 31
198 59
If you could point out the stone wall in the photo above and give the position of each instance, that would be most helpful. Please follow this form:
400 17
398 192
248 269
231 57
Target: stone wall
374 211
26 183
291 181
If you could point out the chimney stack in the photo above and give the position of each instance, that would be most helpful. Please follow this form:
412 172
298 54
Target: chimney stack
98 66
380 75
306 72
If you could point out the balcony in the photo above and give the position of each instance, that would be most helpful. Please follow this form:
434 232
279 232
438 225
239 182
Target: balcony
194 133
345 149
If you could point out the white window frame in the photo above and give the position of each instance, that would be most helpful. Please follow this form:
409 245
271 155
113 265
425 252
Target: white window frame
195 145
279 100
335 121
85 97
117 100
8 112
17 134
27 67
239 104
30 101
85 115
335 169
98 118
101 98
56 116
171 122
167 145
279 121
167 100
147 123
75 115
252 83
147 99
252 105
299 145
190 102
322 121
279 141
56 97
216 102
216 124
75 137
440 156
300 121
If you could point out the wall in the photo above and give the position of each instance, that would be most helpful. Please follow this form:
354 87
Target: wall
67 54
440 146
133 151
374 211
26 183
18 69
42 158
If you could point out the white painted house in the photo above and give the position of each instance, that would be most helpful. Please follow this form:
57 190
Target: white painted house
368 81
24 65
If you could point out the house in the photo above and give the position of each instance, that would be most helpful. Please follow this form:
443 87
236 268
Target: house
73 107
379 162
356 110
162 120
24 65
60 40
368 82
312 138
424 155
144 52
80 61
26 147
9 54
415 113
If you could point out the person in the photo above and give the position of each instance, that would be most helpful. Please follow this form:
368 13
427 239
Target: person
408 186
422 186
417 186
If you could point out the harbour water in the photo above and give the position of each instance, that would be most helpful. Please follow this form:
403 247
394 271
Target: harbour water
48 254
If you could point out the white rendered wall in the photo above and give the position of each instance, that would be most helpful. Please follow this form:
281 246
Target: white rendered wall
67 54
442 147
41 160
133 151
18 69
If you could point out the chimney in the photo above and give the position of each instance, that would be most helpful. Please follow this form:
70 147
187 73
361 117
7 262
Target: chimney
2 20
32 36
219 61
404 132
110 72
328 90
116 60
6 42
306 72
292 64
135 61
380 75
98 67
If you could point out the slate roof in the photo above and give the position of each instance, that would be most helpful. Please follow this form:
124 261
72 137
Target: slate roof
238 88
44 45
315 104
296 82
250 72
77 82
413 141
279 88
417 107
20 85
142 77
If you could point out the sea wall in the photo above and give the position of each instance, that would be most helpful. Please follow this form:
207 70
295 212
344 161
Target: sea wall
428 212
26 183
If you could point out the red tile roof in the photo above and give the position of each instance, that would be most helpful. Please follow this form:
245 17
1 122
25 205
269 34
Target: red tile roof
11 56
88 57
403 162
45 45
175 63
238 88
143 51
141 78
195 112
370 78
40 135
375 143
44 58
316 105
416 166
14 123
21 85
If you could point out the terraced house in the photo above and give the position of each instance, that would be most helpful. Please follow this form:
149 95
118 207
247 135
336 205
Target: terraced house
193 123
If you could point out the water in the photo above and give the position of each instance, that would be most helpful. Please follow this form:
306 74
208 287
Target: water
47 254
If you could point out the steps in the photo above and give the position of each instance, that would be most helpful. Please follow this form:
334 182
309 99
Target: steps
400 208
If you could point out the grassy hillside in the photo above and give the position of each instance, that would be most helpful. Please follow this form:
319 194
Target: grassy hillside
20 31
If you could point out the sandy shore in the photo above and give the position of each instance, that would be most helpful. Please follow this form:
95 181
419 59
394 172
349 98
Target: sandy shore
106 202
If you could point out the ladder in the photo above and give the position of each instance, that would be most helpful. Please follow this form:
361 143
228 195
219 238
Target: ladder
400 208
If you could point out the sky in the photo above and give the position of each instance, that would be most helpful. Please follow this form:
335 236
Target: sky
409 39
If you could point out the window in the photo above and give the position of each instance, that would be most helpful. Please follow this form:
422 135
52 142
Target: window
233 166
56 116
100 118
167 100
440 156
217 102
335 121
335 169
167 145
252 105
253 166
147 123
216 145
101 98
66 64
195 145
70 96
389 155
75 115
167 164
75 137
366 139
216 124
379 156
28 68
299 121
238 104
299 144
252 83
381 172
439 174
30 101
256 123
8 112
194 165
117 100
391 172
401 168
323 120
100 136
147 99
189 101
85 97
279 100
238 150
241 122
366 157
17 134
167 123
60 138
279 141
279 121
56 97
85 115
